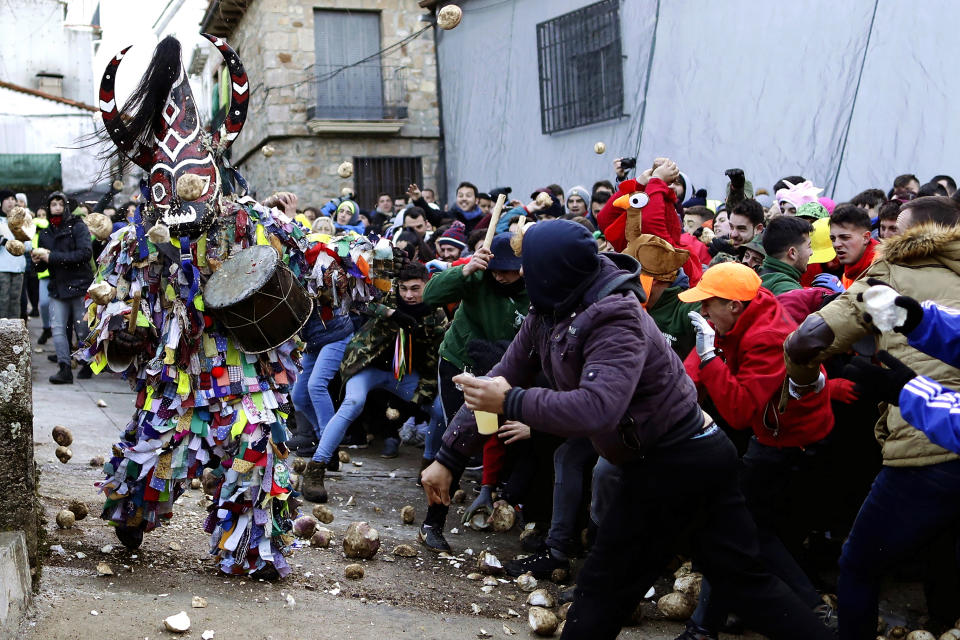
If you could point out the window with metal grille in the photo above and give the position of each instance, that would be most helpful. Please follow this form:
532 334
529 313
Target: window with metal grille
580 61
386 174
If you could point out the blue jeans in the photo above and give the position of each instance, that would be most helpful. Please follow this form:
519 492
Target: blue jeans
63 314
435 432
45 302
906 508
311 396
355 396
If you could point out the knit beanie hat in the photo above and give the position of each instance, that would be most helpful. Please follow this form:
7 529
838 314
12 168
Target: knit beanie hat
560 261
555 210
699 199
455 236
580 191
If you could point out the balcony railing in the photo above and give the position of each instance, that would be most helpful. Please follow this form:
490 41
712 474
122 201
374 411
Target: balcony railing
368 91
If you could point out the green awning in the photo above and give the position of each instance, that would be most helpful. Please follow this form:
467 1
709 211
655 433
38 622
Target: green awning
23 171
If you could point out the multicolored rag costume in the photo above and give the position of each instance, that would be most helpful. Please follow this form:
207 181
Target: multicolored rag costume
203 407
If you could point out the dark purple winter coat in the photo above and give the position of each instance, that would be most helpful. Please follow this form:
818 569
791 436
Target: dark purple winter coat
614 379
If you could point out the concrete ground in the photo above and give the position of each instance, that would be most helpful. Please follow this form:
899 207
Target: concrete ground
422 597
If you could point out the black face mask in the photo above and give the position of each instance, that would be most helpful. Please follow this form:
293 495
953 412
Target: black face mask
415 310
506 290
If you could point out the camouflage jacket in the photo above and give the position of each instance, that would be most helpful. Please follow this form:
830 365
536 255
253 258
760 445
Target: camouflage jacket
380 334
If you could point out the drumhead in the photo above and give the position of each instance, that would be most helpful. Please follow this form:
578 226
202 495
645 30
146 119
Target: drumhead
240 275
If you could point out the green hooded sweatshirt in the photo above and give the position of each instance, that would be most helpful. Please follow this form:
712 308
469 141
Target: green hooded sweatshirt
670 314
778 276
483 314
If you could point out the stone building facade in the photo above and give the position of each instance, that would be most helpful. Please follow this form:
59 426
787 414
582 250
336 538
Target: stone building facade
314 109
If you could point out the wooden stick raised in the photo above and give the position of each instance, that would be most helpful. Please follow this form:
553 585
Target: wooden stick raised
134 311
494 219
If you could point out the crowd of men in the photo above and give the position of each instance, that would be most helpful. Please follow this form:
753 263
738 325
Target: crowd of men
766 383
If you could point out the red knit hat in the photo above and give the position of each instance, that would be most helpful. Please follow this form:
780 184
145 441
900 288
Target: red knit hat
455 236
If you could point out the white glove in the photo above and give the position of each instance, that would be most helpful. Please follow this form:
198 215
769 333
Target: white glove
706 336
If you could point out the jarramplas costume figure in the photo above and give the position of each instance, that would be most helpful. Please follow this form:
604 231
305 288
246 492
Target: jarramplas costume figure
212 388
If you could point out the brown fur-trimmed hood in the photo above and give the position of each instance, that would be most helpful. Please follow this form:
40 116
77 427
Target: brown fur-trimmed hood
925 242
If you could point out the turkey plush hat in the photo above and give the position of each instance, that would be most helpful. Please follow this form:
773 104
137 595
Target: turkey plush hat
658 258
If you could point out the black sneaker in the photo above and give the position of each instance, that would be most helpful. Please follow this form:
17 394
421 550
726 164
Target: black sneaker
85 372
267 573
432 539
130 537
827 615
355 441
52 358
302 445
63 376
695 632
45 335
541 565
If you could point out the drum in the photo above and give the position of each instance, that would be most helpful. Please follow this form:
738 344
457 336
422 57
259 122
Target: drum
257 299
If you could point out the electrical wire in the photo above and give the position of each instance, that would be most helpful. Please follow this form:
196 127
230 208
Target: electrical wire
853 105
332 74
646 82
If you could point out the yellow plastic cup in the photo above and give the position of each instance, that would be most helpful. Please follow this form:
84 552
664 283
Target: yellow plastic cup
487 423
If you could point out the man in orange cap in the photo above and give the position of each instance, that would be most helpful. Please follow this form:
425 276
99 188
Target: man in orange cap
738 363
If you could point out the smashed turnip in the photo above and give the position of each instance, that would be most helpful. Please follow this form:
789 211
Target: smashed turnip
543 622
676 606
304 527
361 541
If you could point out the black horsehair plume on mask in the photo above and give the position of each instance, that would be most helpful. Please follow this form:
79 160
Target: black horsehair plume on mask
143 111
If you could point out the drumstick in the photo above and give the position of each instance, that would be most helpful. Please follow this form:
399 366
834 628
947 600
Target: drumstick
134 310
494 219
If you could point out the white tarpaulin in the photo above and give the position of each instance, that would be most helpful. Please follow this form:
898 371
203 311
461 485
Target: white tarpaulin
849 94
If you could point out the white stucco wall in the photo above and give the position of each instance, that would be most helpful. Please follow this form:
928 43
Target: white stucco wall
34 125
35 37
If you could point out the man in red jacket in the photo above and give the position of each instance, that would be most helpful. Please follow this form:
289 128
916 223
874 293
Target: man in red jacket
739 364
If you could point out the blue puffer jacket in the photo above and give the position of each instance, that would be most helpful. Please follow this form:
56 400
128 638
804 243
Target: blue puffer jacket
925 403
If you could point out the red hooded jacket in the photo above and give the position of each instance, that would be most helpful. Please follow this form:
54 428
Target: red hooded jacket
744 383
659 218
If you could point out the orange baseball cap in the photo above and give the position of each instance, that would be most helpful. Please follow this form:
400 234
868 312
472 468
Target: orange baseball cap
728 280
